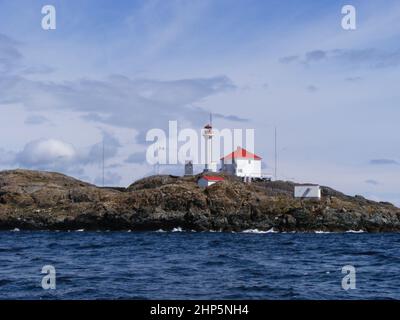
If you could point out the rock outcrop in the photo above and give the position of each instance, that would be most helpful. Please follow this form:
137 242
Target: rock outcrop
44 200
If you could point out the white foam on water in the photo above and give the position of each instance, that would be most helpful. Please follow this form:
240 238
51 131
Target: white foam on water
259 231
355 231
160 230
80 230
15 230
349 231
179 229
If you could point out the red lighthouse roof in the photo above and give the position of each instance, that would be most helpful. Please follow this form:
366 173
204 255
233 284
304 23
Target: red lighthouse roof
241 153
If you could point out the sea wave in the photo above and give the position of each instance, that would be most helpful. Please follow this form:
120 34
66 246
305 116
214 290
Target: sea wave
132 260
259 231
348 231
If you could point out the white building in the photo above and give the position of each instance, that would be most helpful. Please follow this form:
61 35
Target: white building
206 181
307 191
242 163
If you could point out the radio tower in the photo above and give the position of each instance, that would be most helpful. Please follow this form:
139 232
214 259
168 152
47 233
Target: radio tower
276 156
103 160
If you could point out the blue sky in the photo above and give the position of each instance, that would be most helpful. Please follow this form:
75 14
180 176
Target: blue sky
113 70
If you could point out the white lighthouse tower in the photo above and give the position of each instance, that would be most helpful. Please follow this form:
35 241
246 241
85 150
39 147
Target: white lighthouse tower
208 134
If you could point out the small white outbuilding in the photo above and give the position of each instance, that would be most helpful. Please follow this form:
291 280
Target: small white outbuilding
206 181
307 191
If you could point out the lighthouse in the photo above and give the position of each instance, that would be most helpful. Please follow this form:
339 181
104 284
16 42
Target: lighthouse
208 134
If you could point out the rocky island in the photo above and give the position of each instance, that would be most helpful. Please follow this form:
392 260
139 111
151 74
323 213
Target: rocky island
37 200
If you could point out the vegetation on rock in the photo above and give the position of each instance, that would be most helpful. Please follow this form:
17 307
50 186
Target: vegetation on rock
46 200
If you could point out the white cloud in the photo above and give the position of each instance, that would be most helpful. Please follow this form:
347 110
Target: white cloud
6 157
46 152
365 57
10 55
36 119
58 155
118 101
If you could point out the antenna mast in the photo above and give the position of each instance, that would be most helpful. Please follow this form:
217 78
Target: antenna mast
103 160
276 156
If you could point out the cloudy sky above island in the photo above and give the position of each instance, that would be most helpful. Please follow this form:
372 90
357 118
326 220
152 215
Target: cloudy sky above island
113 70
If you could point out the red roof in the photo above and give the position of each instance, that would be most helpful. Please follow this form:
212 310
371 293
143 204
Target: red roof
241 153
213 178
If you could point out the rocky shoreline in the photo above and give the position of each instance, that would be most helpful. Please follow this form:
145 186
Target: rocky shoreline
35 200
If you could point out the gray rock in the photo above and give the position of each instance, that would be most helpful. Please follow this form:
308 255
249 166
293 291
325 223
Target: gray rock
45 200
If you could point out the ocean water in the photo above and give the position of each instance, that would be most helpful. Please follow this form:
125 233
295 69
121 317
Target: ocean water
199 265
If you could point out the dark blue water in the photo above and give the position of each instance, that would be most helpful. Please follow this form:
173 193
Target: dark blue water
190 265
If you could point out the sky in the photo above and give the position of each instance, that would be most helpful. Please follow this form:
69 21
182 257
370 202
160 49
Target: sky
112 70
